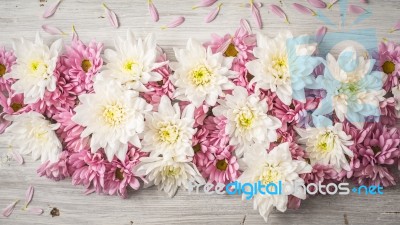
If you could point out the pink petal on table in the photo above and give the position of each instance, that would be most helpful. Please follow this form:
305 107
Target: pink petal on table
396 27
303 9
245 25
256 15
354 9
36 211
317 3
52 30
321 34
364 1
51 9
7 211
256 4
204 3
279 12
112 17
176 22
331 3
29 195
153 11
75 36
213 14
17 157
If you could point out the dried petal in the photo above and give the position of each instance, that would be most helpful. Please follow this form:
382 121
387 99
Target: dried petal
75 36
333 2
29 195
112 17
204 3
396 27
52 30
153 11
303 9
317 3
245 26
356 9
51 9
17 157
176 22
279 12
213 14
256 15
7 211
36 211
321 34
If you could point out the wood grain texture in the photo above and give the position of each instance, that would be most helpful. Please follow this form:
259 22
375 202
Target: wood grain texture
149 206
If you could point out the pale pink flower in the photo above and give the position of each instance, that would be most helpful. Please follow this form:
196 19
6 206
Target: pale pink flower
7 60
56 171
216 131
119 175
388 61
12 103
82 63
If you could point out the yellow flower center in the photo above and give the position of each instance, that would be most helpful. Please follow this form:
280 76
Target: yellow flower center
16 106
3 70
129 65
245 118
388 67
37 68
222 165
119 174
114 114
201 76
280 65
86 65
171 171
269 174
231 51
325 143
168 132
40 135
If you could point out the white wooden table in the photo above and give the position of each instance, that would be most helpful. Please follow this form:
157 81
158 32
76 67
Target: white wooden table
148 206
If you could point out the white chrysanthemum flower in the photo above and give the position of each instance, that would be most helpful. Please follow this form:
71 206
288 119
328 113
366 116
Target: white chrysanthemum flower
168 175
278 65
327 145
248 122
167 132
112 116
273 167
201 75
32 133
396 93
132 62
34 69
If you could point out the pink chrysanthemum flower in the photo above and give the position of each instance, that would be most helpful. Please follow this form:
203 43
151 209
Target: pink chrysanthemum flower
388 61
162 87
56 171
63 98
82 63
70 132
239 46
7 60
388 112
88 169
120 175
12 103
376 148
216 131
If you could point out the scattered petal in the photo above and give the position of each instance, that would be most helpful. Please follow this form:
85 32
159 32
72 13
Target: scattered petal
303 9
354 9
317 3
112 17
364 1
256 15
205 3
75 36
153 11
52 30
321 34
36 211
17 157
9 209
176 22
279 12
213 14
245 26
29 195
396 27
51 9
333 2
256 4
89 191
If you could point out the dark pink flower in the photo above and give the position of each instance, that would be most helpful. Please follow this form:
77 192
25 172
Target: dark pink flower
388 112
12 103
56 171
7 60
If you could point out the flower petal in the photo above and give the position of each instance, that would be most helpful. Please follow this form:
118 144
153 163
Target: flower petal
29 195
317 3
213 14
17 157
245 26
321 34
333 2
75 36
303 9
176 22
9 209
396 27
51 9
36 211
52 30
204 3
278 11
153 11
354 9
112 17
256 15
